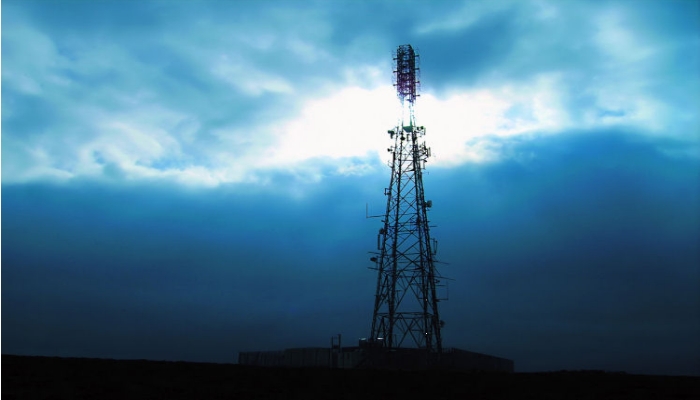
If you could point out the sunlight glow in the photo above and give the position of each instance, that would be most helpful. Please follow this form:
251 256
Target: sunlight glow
347 124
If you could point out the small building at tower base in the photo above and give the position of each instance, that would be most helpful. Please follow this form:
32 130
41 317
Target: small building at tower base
367 357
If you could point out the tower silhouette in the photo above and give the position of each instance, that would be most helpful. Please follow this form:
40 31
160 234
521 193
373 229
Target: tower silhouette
406 301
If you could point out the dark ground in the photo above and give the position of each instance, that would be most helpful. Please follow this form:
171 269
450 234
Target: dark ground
80 378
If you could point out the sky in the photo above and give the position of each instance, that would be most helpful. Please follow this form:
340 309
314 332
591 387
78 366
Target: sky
184 180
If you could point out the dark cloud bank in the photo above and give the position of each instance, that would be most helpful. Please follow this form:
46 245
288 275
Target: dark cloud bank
577 251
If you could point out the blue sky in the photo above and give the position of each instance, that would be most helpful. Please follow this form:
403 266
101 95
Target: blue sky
184 180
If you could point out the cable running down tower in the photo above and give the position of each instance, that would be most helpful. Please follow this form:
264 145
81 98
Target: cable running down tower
406 301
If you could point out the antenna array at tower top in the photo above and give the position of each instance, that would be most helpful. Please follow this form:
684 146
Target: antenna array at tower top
406 73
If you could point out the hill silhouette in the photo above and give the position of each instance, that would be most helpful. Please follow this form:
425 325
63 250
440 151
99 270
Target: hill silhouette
81 378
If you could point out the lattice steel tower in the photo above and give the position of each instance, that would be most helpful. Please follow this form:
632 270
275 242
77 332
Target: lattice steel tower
406 301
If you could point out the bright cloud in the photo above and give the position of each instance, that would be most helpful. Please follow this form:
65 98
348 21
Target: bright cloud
210 102
347 124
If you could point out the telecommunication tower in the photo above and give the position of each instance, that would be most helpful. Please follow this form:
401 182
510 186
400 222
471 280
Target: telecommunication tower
406 301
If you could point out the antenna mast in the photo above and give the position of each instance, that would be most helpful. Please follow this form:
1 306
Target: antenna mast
406 301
